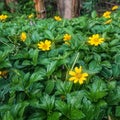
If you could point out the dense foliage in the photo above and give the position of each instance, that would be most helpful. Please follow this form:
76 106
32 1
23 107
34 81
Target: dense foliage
37 63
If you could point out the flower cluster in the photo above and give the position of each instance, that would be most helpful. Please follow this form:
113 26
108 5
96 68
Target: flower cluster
78 76
44 46
3 17
66 38
107 14
95 40
23 36
57 18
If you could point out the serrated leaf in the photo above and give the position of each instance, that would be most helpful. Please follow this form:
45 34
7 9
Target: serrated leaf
49 86
94 67
51 67
76 114
35 56
38 75
54 116
49 35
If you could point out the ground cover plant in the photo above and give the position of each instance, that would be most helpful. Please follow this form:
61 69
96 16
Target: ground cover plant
58 69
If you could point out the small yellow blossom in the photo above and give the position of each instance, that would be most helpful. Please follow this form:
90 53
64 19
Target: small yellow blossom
107 14
57 18
95 40
3 17
108 21
3 73
115 7
23 36
31 16
77 75
44 46
66 38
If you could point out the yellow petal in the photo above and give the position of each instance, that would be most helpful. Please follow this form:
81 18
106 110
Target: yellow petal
72 73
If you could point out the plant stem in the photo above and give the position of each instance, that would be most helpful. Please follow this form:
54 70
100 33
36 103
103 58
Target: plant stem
76 58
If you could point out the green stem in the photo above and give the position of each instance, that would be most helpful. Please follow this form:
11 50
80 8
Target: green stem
76 58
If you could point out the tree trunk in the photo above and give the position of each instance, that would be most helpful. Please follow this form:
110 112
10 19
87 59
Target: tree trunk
40 8
68 8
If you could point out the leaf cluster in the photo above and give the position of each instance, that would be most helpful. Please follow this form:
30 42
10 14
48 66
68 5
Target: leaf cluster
37 85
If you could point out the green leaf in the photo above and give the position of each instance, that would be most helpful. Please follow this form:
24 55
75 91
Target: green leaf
51 67
35 56
97 57
3 55
106 72
37 116
117 111
117 59
62 107
97 90
35 36
76 114
49 35
8 116
94 14
106 64
54 116
63 87
114 42
47 103
26 63
112 85
102 104
94 67
5 64
49 86
116 70
75 98
18 109
114 96
37 75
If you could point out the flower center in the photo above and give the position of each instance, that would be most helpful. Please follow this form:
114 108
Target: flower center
45 46
96 40
78 75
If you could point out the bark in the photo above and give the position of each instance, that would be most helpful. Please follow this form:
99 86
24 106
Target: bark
68 8
40 8
61 7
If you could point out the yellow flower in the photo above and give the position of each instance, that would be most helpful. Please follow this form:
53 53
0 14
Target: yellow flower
57 18
66 38
3 17
77 75
31 16
107 14
44 46
108 21
115 7
23 36
95 40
